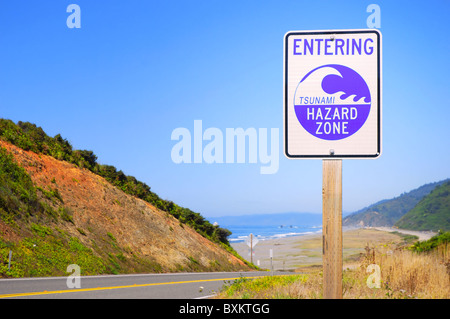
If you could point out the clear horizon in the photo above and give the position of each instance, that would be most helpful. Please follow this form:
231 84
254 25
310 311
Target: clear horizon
135 71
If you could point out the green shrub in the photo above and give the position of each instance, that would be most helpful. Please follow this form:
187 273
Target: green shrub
66 214
17 194
433 242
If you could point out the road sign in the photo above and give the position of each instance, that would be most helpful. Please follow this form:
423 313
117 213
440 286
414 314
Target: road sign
251 241
332 94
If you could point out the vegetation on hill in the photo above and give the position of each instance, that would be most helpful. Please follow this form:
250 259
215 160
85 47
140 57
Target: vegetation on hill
53 214
388 212
30 137
432 243
431 213
17 193
43 252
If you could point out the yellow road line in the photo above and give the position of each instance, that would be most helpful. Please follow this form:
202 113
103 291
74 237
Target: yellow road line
23 294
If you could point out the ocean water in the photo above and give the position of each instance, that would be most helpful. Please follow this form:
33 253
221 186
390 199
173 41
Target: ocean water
240 233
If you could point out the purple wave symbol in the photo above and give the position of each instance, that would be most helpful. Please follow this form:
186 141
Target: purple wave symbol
349 82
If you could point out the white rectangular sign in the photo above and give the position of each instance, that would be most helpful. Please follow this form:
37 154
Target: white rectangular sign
332 94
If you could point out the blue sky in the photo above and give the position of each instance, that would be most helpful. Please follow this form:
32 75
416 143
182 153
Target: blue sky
136 70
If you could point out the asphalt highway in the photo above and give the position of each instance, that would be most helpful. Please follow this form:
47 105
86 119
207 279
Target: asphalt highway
136 286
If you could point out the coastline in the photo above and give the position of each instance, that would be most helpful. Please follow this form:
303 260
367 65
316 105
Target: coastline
423 235
295 252
285 250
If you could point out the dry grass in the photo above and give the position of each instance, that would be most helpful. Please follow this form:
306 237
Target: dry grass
403 274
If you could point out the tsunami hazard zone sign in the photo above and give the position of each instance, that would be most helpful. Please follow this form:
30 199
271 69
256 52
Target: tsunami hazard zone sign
332 94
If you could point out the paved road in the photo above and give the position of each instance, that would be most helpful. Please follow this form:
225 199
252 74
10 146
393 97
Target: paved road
148 286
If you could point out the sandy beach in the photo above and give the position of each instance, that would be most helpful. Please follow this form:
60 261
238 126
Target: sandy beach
293 253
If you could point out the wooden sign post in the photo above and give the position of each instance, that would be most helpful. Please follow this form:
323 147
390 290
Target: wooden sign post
251 242
251 248
332 228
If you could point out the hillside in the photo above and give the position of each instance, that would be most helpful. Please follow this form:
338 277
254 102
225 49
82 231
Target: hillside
54 213
387 212
431 213
30 137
